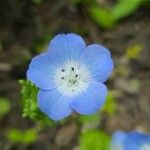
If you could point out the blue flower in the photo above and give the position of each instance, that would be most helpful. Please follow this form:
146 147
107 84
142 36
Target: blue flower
70 76
130 141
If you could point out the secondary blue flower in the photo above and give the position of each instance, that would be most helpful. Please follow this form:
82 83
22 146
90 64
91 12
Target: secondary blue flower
130 141
70 76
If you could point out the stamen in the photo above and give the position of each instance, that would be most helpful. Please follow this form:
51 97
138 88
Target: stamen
72 78
62 78
74 81
63 70
72 68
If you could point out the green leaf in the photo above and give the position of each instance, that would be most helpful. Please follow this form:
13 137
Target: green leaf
5 106
25 137
94 140
29 99
29 103
124 8
30 136
101 16
15 135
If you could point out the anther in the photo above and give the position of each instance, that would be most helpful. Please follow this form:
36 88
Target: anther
62 78
63 70
76 75
72 68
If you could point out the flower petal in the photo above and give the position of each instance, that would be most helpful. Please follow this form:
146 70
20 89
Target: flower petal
97 50
101 69
41 72
99 62
137 141
54 104
117 142
67 45
130 141
67 42
89 101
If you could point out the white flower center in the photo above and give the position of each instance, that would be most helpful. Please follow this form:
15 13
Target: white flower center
117 147
72 78
145 147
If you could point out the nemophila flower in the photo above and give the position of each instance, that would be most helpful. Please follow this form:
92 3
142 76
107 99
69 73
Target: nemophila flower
130 141
70 76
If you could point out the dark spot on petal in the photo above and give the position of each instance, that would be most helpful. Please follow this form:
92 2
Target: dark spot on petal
76 75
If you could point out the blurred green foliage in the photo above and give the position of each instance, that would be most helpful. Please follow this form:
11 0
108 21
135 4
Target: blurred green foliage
108 16
5 106
85 119
134 51
123 8
110 104
102 16
29 102
25 137
94 140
